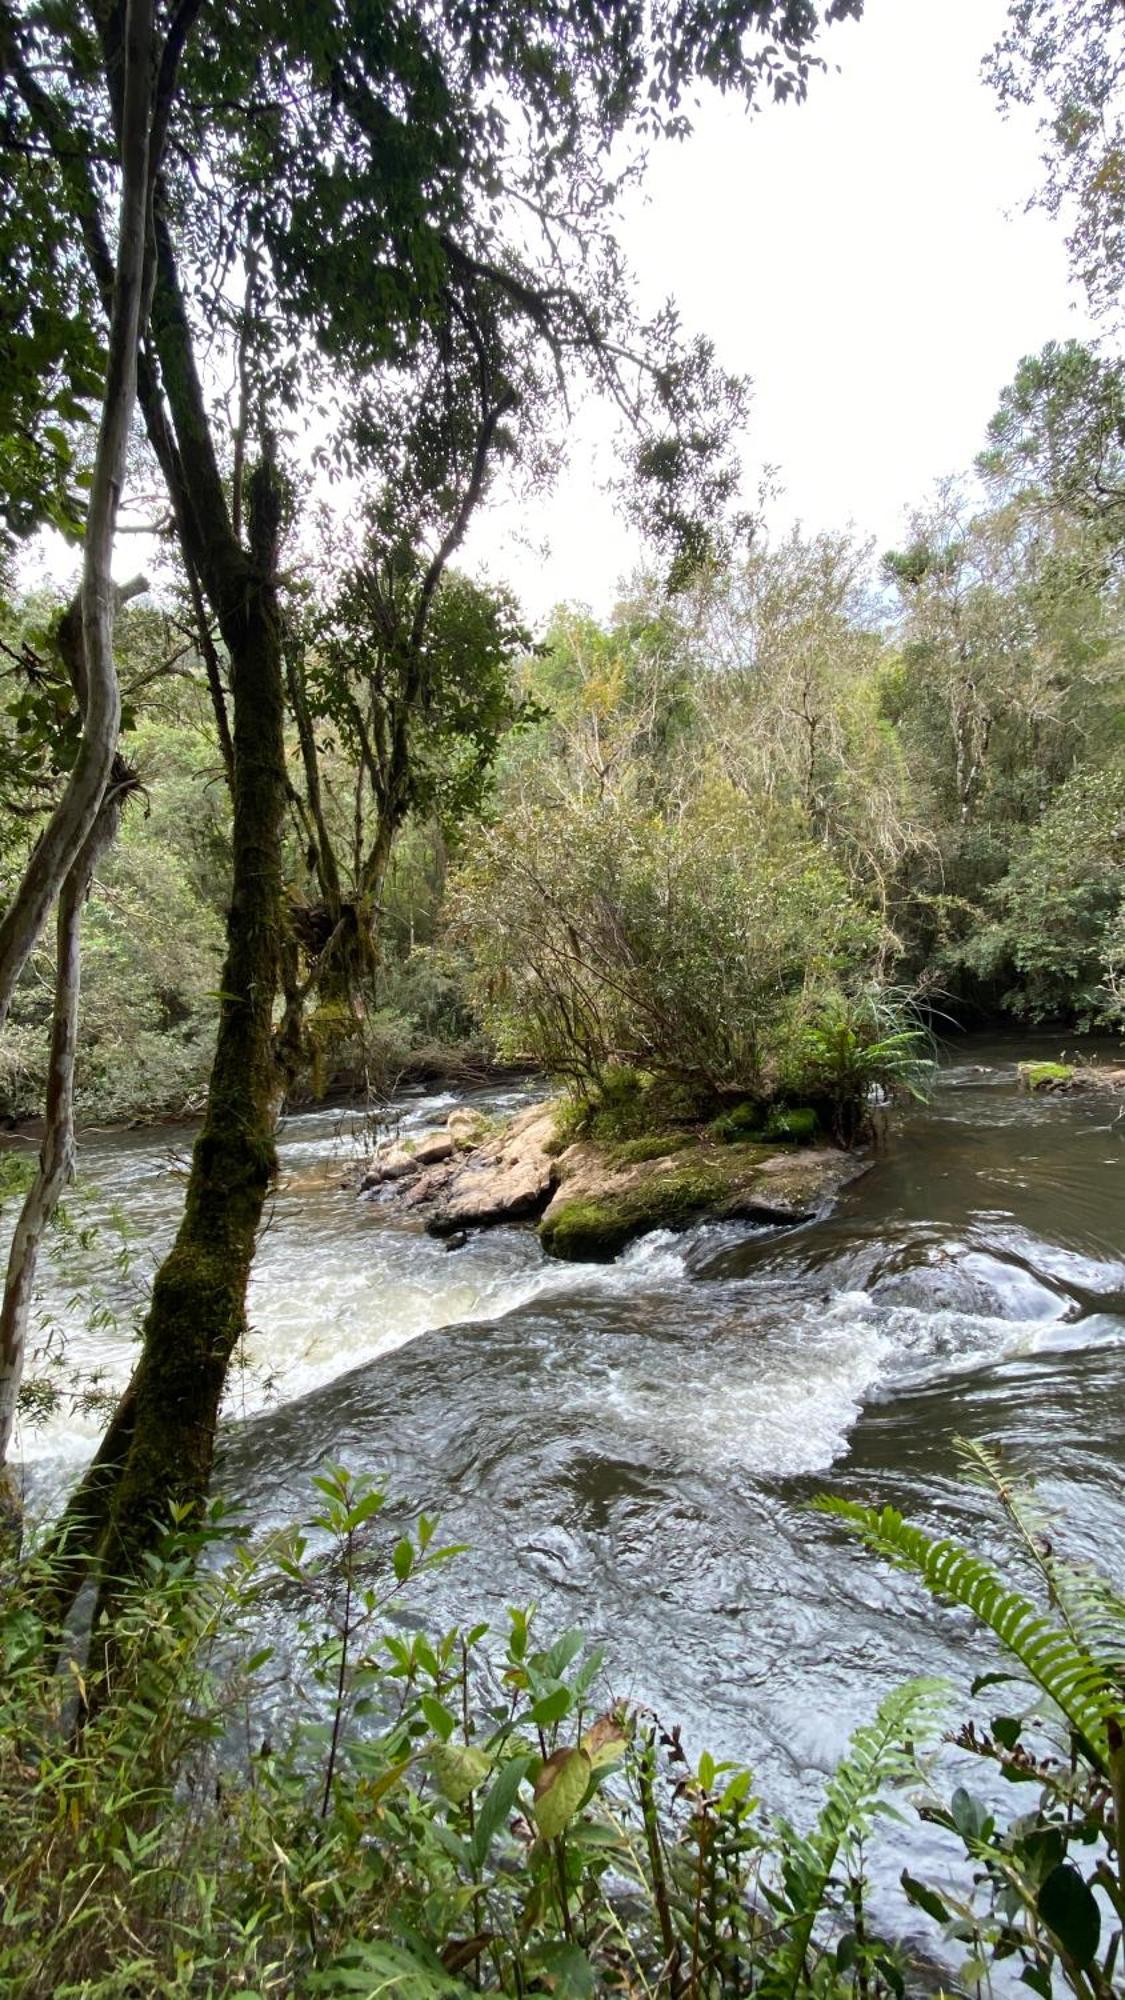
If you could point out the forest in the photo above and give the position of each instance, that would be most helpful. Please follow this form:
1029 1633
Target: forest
301 812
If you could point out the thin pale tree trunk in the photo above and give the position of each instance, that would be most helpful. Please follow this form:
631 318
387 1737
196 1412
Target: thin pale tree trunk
73 818
56 1158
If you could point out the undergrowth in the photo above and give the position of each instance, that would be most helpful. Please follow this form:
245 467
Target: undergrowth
382 1810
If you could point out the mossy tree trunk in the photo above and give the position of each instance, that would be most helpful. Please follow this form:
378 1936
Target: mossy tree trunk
197 1312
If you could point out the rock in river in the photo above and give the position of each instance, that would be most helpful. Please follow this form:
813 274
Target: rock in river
589 1199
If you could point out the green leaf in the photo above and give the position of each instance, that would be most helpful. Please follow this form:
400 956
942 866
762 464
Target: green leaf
1066 1905
441 1719
565 1970
1038 1979
923 1898
372 1970
560 1789
496 1805
969 1816
552 1707
371 1503
403 1559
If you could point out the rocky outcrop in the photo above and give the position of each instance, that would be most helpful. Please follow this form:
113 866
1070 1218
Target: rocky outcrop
599 1205
1048 1078
507 1179
408 1156
590 1200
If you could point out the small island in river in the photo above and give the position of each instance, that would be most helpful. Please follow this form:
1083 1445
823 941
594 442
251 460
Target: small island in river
589 1198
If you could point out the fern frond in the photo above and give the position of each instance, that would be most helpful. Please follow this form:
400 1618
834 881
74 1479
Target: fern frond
1064 1670
1090 1607
880 1754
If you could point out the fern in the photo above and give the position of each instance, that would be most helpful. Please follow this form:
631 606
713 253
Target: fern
1065 1670
880 1754
1088 1604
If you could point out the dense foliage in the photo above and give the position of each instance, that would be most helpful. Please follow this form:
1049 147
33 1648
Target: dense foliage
378 1808
809 781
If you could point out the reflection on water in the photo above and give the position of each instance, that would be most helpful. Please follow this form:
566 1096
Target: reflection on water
633 1447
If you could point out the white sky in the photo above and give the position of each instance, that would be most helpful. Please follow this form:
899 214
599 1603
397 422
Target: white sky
865 257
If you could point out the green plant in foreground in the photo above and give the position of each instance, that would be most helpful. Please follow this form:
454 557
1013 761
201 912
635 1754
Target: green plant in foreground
1048 1883
384 1810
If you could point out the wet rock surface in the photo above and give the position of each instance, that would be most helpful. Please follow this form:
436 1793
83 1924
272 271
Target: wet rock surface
590 1200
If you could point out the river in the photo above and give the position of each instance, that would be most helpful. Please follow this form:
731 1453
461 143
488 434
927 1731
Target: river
633 1447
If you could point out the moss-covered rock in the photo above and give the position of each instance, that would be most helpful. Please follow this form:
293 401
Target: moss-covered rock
591 1225
1046 1076
634 1152
599 1207
743 1121
591 1197
796 1123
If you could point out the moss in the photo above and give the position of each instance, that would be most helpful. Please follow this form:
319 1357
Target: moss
589 1228
797 1124
628 1105
744 1121
634 1152
572 1117
1045 1075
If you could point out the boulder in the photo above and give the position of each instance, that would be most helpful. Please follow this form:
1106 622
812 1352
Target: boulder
407 1156
591 1199
507 1179
1051 1078
600 1206
466 1127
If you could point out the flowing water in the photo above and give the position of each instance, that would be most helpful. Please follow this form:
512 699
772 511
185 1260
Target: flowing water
633 1447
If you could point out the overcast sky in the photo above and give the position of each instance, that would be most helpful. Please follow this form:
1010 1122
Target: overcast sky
866 257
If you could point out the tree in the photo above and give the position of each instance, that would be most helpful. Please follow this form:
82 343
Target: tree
1068 56
400 687
1056 451
404 219
83 823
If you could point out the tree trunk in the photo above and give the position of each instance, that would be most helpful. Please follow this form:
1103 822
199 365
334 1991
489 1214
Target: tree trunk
71 822
56 1158
197 1312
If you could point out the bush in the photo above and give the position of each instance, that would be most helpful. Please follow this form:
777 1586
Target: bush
605 937
414 1824
846 1049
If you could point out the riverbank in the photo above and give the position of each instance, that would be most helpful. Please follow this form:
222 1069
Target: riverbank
588 1200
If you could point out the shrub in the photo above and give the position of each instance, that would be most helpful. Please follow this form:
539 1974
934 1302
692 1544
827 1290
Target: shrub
846 1049
1043 1889
383 1814
605 936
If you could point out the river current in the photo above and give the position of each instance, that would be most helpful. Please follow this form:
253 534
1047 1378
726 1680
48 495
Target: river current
633 1447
